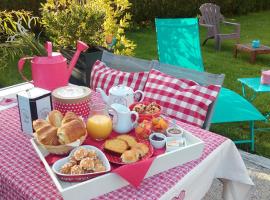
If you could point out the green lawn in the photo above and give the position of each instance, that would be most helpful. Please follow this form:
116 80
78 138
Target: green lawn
253 26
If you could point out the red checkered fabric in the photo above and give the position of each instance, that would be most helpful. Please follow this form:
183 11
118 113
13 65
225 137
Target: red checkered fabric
182 99
105 77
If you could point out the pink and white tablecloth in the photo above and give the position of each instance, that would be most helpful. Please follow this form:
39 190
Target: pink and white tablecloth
23 177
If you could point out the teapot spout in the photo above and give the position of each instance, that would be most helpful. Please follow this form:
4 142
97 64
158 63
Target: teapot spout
81 46
105 98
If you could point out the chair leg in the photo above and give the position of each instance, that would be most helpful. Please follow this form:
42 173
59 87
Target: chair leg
218 44
252 136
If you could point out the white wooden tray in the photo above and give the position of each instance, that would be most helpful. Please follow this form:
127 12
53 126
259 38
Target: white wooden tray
109 182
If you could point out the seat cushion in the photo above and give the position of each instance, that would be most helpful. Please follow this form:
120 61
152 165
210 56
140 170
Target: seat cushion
105 77
182 99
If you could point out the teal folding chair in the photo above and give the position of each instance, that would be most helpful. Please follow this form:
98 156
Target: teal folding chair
179 44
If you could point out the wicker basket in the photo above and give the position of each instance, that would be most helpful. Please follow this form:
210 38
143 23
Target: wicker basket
61 149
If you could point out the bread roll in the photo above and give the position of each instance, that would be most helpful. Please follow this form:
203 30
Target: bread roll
47 135
55 118
130 156
69 116
39 123
71 131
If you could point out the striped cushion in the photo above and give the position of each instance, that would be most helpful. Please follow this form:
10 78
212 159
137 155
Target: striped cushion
105 77
182 99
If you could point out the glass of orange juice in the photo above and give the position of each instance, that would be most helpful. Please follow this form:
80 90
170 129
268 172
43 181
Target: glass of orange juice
99 123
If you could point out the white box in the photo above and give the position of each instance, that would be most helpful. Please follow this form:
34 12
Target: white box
33 104
109 182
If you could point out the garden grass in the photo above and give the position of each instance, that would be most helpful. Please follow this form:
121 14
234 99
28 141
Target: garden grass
253 26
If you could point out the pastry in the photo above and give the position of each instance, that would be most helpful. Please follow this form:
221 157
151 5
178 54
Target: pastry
99 168
66 168
39 123
55 118
129 139
69 116
116 146
139 108
80 153
47 135
92 154
141 148
130 156
76 169
152 108
73 160
87 163
71 131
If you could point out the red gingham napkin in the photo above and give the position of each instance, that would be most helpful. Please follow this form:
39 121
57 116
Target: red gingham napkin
105 77
182 99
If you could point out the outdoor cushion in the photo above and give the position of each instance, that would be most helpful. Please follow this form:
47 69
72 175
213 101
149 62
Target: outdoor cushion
182 99
105 77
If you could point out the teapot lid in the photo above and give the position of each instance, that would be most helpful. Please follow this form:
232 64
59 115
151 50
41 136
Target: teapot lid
121 90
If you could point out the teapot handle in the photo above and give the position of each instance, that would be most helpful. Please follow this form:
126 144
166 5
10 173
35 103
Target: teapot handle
136 117
21 65
142 94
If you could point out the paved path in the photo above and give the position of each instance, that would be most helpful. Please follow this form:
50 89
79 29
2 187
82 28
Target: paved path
259 171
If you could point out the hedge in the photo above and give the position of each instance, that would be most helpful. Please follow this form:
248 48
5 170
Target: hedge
145 10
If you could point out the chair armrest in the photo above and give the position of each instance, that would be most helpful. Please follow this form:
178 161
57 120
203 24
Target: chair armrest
231 23
207 25
236 25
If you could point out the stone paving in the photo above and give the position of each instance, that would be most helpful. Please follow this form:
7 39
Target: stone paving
259 175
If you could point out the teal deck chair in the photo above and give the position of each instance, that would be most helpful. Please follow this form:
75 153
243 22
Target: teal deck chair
179 44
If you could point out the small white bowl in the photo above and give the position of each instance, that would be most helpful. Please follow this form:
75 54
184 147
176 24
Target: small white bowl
157 144
176 128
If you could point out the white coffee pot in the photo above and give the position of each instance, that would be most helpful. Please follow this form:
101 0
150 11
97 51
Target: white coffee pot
122 118
120 94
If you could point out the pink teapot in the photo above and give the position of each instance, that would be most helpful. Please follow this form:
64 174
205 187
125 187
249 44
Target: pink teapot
52 71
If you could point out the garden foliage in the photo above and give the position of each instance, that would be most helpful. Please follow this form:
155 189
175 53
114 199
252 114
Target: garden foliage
91 21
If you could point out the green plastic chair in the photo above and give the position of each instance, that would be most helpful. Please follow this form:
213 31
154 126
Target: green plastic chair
179 44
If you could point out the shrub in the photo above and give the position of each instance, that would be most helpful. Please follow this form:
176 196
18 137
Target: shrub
91 21
16 39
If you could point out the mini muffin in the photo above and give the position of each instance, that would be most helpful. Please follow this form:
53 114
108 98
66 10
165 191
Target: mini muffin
87 163
66 168
80 153
130 156
92 154
73 160
141 148
99 168
76 169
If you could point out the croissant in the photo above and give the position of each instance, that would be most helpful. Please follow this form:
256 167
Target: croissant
47 134
55 118
69 116
71 131
39 123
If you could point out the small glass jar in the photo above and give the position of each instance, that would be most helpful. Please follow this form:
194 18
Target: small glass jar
99 123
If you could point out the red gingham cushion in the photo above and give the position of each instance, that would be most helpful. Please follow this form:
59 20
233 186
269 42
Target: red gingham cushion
182 99
105 77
